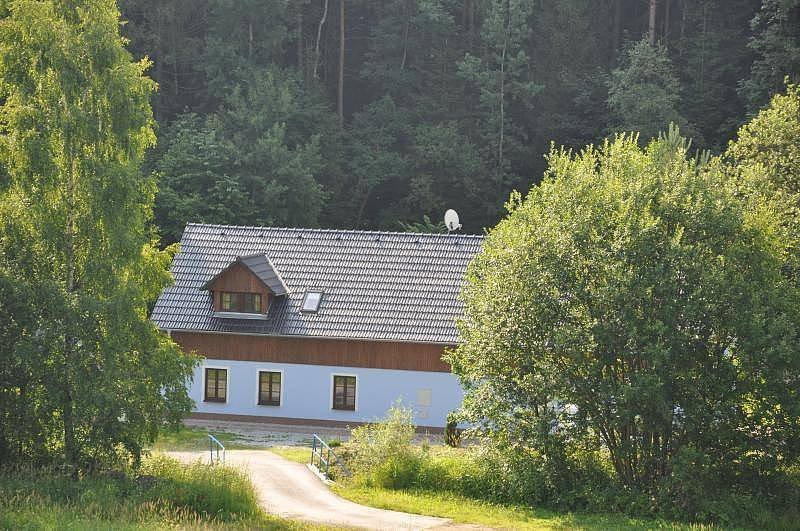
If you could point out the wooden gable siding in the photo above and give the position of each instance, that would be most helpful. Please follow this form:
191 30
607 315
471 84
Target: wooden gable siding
316 351
239 279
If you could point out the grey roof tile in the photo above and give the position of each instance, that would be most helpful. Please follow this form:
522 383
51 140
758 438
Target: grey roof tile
378 285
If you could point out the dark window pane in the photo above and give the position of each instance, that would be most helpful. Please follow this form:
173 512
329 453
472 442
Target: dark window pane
216 383
344 392
269 388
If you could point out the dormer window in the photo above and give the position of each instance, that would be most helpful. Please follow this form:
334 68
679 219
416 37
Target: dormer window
245 288
311 301
240 302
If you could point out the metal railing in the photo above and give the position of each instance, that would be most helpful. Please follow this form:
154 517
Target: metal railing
214 444
325 457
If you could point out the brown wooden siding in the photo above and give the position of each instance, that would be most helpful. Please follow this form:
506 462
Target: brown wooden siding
315 351
239 279
288 421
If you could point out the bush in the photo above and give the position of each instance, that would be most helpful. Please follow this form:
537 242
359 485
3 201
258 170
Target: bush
382 453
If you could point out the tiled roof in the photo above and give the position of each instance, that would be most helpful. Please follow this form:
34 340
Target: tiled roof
377 285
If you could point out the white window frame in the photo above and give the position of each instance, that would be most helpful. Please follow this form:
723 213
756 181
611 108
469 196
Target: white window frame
258 382
330 392
227 384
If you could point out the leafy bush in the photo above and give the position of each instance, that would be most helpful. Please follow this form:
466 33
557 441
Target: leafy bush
382 453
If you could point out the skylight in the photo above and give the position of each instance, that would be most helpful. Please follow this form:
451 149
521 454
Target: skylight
311 301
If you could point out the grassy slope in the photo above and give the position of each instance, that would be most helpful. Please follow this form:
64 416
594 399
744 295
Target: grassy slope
169 496
468 510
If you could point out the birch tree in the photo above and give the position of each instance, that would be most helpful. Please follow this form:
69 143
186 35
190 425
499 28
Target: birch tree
75 214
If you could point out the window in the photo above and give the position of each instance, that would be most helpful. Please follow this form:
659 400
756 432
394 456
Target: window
269 388
311 301
344 392
240 302
216 385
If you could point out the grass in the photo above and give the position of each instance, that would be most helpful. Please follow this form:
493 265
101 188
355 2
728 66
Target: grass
470 511
163 495
463 509
186 438
298 454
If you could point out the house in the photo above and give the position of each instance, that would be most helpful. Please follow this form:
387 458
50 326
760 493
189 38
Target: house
327 327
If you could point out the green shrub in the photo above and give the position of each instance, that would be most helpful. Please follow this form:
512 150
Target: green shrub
382 453
452 435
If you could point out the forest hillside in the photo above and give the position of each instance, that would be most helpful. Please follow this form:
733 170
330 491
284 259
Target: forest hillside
363 114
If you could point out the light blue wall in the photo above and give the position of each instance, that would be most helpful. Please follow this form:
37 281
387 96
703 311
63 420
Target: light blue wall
307 392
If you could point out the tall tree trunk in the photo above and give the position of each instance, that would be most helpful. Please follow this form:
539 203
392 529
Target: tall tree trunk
665 21
250 41
503 85
300 63
67 405
617 23
407 8
319 37
340 88
652 26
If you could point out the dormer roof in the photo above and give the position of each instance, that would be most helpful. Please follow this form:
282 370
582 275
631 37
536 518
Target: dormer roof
262 267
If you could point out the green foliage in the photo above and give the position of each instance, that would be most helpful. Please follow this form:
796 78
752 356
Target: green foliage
776 42
643 93
381 453
425 226
769 144
638 302
479 90
257 160
452 434
164 495
85 374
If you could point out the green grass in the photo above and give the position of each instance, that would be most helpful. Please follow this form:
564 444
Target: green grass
462 509
298 454
187 438
163 495
466 510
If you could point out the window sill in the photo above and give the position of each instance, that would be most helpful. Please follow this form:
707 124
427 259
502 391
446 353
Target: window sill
239 315
223 402
269 405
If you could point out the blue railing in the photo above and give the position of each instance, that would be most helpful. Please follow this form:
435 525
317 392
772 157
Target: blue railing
325 457
214 444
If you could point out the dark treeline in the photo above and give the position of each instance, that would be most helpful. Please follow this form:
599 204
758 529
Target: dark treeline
363 114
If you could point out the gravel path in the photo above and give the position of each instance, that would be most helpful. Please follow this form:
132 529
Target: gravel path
291 490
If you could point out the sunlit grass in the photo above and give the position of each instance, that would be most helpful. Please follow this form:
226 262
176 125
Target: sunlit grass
164 494
186 438
298 454
470 511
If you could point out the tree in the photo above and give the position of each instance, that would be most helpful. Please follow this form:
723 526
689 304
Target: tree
638 300
776 41
644 91
255 161
770 142
501 73
75 240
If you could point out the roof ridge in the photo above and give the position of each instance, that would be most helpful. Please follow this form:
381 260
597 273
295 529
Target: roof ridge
334 231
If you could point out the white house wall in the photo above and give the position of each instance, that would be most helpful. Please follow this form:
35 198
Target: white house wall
307 392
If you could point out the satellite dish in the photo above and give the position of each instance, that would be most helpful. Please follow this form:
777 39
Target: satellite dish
451 220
